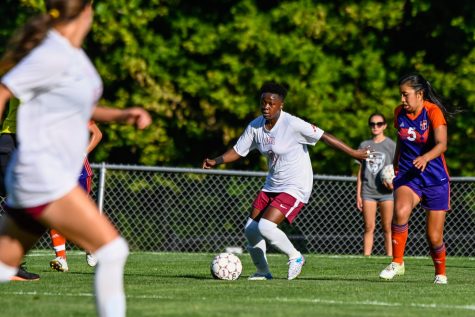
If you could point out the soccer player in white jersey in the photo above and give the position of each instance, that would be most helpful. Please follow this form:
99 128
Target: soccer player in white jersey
283 139
46 69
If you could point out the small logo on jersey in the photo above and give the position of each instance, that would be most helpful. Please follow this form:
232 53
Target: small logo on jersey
314 128
423 125
401 124
282 206
269 140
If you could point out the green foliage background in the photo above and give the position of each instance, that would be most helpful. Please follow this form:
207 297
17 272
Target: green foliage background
197 66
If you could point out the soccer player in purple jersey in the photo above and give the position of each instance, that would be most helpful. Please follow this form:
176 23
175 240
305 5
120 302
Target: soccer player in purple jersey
422 175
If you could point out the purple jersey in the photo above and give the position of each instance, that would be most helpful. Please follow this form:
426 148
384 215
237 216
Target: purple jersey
416 137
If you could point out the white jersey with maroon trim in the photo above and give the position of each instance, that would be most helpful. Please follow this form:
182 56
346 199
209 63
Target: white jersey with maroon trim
285 147
58 87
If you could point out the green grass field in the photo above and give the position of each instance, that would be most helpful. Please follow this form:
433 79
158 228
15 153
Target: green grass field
179 284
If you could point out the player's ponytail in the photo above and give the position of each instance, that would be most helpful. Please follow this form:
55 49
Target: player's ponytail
418 82
34 31
24 40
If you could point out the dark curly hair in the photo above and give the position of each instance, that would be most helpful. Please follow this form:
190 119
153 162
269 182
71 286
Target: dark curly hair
273 88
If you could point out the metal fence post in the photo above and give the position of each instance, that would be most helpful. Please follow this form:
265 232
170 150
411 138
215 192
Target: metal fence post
101 187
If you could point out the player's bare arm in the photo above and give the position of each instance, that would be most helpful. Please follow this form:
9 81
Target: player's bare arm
440 136
228 157
135 115
359 198
96 136
5 95
334 142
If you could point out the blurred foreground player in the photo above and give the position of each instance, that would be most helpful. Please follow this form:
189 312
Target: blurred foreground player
59 88
7 146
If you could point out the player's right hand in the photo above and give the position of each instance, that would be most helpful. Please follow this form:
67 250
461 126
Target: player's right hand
207 163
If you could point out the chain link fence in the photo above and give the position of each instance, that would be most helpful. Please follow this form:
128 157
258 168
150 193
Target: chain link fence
195 210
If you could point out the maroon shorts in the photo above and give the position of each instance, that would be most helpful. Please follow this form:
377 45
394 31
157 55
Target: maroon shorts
287 204
27 218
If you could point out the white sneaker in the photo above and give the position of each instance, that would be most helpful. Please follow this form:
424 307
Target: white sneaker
295 267
260 277
91 259
440 279
392 270
59 264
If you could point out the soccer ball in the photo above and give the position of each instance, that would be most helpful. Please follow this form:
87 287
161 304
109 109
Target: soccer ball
226 266
387 174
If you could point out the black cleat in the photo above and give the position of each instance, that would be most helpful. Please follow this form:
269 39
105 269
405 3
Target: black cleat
24 275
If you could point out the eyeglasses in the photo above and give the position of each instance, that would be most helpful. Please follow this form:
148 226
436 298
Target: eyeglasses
376 124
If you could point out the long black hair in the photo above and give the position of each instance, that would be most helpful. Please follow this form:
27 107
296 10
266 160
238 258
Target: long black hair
417 82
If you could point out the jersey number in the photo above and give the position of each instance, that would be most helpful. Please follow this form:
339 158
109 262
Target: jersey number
411 134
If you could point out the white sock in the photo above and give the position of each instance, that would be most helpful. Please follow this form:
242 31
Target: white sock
109 278
7 272
257 246
277 238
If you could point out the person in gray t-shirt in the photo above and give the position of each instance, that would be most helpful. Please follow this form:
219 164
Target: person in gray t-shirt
371 193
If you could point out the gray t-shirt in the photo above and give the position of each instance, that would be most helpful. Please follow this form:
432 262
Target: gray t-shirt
383 155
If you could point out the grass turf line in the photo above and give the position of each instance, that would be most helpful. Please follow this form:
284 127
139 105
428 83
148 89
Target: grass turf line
179 284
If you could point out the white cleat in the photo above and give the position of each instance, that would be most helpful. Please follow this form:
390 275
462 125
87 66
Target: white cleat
392 270
440 279
91 259
295 267
59 264
260 277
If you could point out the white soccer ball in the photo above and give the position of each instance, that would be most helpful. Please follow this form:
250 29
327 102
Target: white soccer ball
226 266
387 174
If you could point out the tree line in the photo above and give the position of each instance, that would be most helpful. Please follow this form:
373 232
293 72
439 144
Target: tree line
197 67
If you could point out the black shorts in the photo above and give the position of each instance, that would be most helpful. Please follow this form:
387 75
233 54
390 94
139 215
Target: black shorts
7 146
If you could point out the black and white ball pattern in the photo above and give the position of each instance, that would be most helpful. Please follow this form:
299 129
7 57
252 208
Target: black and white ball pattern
226 266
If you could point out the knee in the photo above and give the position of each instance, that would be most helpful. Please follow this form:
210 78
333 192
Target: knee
435 238
266 227
401 215
369 227
116 250
387 229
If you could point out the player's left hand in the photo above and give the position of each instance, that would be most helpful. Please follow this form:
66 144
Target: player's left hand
420 163
388 185
138 116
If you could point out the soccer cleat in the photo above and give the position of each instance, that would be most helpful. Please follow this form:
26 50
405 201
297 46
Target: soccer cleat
260 277
59 264
295 267
24 275
392 270
91 259
440 279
